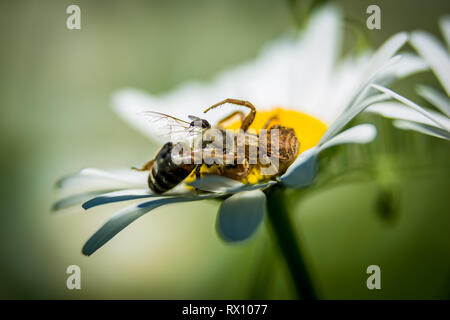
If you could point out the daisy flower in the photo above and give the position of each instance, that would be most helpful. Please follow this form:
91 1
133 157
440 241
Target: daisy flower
409 115
298 79
302 82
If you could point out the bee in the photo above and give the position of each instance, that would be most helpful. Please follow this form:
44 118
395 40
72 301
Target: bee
166 173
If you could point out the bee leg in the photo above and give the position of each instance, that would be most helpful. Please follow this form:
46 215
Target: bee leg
146 167
197 171
230 116
248 120
273 118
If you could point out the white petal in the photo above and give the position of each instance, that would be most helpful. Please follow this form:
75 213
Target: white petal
318 50
396 110
249 187
130 105
344 82
291 72
348 115
385 53
215 183
414 106
435 55
123 218
132 194
444 23
91 176
436 98
381 66
422 128
407 65
77 199
240 215
381 61
350 85
117 196
303 171
366 91
363 133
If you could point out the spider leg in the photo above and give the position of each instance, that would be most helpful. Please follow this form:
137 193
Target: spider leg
273 118
146 167
230 116
248 120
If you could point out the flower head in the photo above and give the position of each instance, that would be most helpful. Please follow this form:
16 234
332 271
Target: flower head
299 82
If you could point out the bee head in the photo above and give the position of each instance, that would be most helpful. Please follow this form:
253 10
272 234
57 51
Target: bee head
199 123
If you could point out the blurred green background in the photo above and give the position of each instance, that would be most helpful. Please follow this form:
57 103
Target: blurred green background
55 118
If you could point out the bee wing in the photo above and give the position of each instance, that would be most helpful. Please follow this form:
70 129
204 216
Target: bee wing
194 118
170 128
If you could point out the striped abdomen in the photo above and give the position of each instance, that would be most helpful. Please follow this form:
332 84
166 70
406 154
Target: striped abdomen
165 174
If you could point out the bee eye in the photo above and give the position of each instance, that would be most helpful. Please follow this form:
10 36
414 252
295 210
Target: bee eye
205 124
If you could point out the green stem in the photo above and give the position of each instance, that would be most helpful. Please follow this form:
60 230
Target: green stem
287 241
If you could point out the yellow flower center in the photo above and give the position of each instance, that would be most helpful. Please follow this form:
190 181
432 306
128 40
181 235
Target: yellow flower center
308 130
